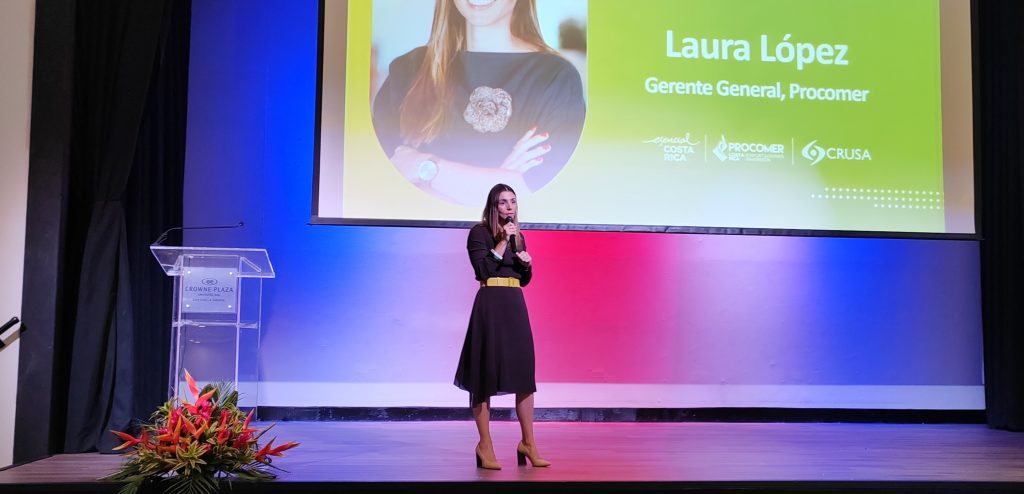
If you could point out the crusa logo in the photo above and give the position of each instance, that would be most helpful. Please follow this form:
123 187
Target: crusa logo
813 152
209 281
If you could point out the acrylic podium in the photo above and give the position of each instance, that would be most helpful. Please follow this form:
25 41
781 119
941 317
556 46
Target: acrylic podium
215 324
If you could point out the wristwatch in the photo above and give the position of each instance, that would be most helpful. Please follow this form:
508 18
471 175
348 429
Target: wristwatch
427 170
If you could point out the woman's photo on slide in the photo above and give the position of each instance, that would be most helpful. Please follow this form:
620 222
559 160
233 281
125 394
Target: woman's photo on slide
468 93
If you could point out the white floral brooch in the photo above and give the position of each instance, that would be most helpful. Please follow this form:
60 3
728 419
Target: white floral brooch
488 109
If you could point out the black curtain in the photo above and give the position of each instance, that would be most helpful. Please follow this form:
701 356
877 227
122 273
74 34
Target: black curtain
127 157
153 203
1000 140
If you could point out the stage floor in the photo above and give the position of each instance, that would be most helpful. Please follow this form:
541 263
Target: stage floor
708 457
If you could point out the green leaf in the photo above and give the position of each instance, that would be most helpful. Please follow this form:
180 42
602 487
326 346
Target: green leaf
192 484
232 400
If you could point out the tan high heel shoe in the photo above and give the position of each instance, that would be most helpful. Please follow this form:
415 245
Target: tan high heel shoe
486 464
522 453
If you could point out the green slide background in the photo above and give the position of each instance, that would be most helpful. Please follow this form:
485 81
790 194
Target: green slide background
615 177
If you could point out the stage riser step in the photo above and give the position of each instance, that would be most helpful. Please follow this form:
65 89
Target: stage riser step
628 415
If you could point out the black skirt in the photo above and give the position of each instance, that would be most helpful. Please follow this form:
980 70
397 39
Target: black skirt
497 356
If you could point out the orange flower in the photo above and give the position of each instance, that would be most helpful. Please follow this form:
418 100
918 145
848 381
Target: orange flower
223 435
206 396
278 451
174 422
242 440
191 384
177 431
262 453
268 450
188 426
245 426
199 432
128 439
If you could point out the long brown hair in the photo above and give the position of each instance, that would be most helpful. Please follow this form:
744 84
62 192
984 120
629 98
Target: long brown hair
491 219
425 105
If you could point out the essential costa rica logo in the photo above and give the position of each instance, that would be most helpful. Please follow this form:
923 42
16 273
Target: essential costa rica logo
675 148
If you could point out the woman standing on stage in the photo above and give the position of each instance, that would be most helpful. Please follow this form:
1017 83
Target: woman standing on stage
497 356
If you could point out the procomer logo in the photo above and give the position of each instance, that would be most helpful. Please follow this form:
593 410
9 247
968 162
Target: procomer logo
763 152
815 153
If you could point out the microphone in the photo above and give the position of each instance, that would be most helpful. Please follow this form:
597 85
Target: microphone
163 236
511 238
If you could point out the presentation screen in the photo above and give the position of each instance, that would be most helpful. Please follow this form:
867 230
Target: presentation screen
806 116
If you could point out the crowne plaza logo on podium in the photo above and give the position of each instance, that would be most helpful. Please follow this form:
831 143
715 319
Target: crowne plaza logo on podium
209 290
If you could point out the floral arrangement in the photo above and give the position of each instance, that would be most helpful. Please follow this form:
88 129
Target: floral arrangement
192 445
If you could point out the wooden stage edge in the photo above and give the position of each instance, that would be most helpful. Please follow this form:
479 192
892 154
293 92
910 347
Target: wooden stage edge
894 416
607 457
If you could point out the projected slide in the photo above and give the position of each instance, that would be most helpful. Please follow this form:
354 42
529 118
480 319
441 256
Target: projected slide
808 115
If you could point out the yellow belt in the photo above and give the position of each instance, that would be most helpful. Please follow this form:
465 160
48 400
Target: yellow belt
509 282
